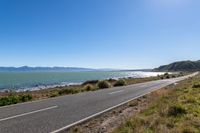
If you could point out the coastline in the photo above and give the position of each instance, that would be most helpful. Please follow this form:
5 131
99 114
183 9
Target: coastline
8 98
40 87
43 86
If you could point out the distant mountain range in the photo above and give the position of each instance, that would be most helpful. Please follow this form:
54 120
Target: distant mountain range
180 66
176 66
59 69
44 69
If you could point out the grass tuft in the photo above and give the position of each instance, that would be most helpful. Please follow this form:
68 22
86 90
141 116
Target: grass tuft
196 86
103 84
89 87
176 110
120 82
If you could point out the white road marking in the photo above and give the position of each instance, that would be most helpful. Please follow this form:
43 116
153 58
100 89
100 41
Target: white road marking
32 112
115 92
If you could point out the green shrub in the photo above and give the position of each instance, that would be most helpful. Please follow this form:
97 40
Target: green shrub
4 101
196 86
90 82
191 99
89 87
55 94
189 129
173 76
67 91
25 98
120 82
112 80
166 74
103 84
14 99
176 110
181 74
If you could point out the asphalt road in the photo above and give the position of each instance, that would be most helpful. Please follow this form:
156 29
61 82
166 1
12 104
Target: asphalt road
54 115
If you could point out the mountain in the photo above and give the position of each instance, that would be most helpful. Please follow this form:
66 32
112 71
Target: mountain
59 69
44 69
180 66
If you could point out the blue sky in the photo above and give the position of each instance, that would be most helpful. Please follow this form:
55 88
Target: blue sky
98 33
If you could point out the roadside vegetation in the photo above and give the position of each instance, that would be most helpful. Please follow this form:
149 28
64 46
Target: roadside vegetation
120 82
8 98
103 84
14 99
175 112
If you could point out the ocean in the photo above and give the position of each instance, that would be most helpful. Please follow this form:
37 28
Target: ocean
29 81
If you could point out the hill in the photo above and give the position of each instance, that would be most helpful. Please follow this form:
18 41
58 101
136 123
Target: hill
180 66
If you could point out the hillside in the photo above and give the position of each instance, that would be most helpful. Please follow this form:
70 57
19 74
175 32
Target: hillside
180 66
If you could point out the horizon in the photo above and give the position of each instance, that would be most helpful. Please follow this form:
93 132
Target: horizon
107 34
95 68
72 67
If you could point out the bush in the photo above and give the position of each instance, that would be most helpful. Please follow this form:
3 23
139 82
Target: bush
103 84
89 87
91 82
176 110
14 99
120 82
166 76
69 91
196 86
181 74
173 76
55 94
189 129
25 98
112 80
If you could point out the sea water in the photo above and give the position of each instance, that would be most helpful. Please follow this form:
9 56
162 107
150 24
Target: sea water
25 81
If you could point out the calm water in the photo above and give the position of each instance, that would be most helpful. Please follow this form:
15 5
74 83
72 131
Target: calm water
22 81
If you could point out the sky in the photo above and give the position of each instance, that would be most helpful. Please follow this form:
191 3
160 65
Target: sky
126 34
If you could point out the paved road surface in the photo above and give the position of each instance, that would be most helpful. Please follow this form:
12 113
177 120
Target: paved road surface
54 115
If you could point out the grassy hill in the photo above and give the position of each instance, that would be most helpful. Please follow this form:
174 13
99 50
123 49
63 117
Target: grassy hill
180 66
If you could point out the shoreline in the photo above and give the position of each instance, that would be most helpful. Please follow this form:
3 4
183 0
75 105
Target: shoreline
9 98
38 87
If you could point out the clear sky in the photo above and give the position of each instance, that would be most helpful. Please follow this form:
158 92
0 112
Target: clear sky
99 33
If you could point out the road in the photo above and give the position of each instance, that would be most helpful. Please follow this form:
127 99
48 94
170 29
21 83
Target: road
54 115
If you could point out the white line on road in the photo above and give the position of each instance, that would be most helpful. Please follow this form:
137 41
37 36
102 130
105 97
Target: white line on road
115 92
32 112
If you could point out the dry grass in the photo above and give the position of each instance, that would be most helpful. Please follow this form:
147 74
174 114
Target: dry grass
175 112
